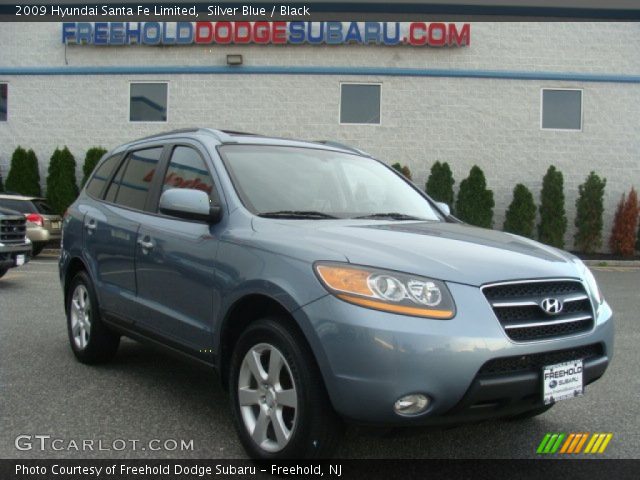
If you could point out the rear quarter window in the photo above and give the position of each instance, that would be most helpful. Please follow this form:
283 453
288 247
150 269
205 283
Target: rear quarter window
101 176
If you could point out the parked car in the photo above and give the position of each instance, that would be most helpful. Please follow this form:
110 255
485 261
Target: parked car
15 247
323 286
43 224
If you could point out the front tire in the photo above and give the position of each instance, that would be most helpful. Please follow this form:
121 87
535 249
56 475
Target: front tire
91 340
279 403
3 271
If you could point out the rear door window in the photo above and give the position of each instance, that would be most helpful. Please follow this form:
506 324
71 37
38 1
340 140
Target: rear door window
130 187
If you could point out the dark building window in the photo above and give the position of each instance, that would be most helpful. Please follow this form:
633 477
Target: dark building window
148 102
561 109
360 103
4 92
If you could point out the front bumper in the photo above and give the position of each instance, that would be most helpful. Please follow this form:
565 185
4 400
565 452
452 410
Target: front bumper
9 252
369 359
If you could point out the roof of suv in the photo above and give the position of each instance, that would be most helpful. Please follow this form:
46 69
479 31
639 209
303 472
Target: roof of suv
225 137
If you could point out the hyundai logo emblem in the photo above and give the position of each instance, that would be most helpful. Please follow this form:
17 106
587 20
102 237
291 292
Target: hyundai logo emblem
552 306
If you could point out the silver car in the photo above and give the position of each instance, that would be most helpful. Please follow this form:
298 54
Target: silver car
43 224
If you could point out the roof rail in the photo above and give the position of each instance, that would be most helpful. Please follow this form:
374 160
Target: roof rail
343 146
220 135
170 132
236 132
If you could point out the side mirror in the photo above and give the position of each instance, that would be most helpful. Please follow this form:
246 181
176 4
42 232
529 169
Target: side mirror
189 204
444 208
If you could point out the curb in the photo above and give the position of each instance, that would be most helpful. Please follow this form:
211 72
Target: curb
612 263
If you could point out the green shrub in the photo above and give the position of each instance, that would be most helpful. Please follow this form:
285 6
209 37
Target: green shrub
24 174
403 169
589 210
440 183
62 188
475 202
90 161
521 214
553 218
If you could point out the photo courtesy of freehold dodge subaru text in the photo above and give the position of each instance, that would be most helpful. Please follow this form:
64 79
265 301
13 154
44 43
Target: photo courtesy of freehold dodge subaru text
339 292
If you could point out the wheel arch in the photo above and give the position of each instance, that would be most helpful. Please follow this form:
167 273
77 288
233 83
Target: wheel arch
242 313
76 265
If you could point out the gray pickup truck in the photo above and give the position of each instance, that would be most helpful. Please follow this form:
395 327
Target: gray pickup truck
15 247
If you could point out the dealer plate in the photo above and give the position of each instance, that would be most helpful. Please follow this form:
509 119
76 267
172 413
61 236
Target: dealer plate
19 260
562 381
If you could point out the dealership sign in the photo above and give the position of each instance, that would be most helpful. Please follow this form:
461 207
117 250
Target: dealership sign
434 34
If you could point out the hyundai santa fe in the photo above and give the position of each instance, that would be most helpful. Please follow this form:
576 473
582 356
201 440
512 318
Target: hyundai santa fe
323 287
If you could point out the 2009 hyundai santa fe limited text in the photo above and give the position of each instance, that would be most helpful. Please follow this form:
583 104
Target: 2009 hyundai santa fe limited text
323 287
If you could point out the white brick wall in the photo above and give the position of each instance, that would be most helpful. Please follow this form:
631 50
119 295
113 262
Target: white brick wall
490 122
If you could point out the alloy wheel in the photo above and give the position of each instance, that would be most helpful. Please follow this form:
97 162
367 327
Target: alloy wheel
80 317
268 398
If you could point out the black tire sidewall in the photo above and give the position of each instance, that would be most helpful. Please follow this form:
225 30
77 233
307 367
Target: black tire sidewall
270 331
37 249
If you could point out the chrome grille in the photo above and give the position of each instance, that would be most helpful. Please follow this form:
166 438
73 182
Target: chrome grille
517 306
12 229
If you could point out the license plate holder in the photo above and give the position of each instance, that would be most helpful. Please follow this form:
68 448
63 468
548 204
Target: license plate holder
20 260
562 381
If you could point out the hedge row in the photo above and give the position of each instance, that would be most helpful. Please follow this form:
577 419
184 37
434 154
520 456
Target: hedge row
62 186
475 204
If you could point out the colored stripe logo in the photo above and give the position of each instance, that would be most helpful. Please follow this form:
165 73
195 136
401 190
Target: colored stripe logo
574 443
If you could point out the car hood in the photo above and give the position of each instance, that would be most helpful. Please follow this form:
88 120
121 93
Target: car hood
447 251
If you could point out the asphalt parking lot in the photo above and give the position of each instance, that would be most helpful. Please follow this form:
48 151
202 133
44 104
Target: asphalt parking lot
145 395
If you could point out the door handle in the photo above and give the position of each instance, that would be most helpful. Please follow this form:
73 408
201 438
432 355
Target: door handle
146 244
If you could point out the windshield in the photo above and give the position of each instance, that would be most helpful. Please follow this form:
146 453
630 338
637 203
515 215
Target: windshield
319 184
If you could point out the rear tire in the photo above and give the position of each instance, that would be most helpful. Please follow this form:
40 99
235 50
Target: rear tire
530 413
91 340
3 271
279 403
37 249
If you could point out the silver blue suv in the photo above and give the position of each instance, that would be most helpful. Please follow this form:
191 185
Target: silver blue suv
323 287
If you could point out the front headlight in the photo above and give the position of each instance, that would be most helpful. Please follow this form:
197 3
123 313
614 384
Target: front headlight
590 280
593 286
386 290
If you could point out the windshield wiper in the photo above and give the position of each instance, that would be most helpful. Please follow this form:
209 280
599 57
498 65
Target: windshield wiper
389 215
296 214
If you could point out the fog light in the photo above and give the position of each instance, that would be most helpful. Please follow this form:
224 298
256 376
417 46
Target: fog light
411 404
